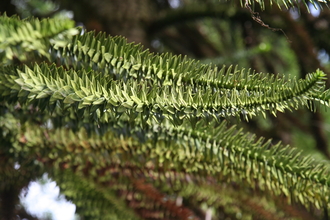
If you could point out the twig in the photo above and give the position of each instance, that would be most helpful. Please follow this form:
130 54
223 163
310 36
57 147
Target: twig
256 17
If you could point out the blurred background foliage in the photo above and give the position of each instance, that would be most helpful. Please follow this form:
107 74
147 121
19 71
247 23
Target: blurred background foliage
212 31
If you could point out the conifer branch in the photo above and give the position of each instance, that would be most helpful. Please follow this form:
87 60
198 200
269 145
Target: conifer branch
285 4
105 98
160 112
226 154
20 39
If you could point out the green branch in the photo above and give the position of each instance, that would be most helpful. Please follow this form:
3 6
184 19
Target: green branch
210 150
20 39
105 98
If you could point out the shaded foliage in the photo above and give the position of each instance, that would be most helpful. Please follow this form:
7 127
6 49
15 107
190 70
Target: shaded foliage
127 133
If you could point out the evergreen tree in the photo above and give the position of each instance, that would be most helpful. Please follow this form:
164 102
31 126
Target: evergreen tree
131 134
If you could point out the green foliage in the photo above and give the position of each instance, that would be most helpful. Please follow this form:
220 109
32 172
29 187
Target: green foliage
284 4
21 39
109 120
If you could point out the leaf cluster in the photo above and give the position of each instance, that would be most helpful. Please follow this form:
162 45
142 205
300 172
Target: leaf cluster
163 120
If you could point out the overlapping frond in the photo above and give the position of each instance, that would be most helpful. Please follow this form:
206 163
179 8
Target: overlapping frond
202 90
153 108
106 99
91 201
114 56
19 39
212 150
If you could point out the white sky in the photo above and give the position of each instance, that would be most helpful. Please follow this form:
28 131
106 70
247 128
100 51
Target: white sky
174 3
45 198
315 11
